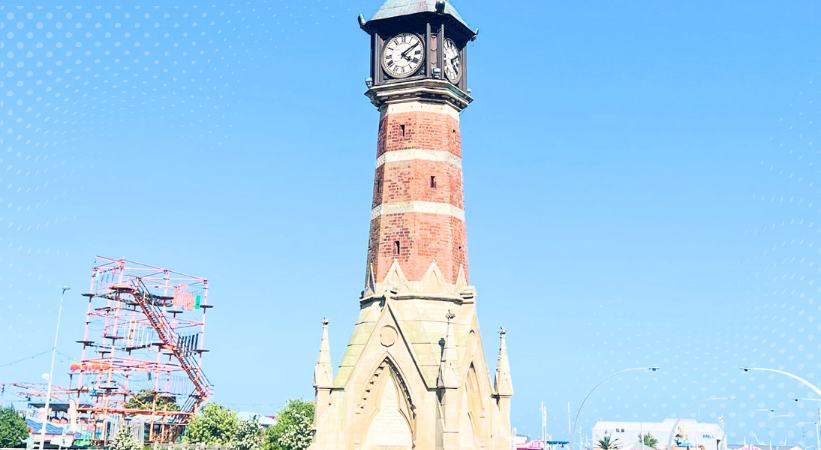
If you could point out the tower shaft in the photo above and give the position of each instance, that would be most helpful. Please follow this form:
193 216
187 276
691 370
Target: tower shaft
418 213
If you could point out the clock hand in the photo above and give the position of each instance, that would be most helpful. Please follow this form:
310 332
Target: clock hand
405 53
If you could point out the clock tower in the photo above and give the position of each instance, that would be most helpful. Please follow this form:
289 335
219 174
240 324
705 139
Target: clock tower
414 373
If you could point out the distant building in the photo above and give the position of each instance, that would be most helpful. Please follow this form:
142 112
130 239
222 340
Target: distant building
62 424
671 434
264 421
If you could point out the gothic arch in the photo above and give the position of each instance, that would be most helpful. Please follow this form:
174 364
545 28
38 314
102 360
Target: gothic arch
473 408
476 362
391 418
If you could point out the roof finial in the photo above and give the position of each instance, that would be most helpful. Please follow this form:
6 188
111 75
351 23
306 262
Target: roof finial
502 384
323 371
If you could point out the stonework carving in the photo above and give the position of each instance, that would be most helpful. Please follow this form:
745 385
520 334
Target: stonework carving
387 336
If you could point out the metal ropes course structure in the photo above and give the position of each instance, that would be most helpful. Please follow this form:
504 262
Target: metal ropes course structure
142 350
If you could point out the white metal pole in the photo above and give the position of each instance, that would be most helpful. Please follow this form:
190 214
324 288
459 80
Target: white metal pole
543 411
818 431
51 371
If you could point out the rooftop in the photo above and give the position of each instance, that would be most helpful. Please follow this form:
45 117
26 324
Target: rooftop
399 8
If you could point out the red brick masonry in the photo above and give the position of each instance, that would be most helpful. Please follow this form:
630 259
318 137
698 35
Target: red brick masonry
422 237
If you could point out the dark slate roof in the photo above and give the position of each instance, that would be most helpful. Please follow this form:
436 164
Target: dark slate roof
397 8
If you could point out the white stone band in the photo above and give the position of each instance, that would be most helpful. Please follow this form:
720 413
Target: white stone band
419 154
445 209
418 106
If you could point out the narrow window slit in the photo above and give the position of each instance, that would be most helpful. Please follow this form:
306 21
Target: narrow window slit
402 129
396 248
433 182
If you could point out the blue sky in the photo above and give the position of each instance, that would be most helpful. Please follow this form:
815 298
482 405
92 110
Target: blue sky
641 189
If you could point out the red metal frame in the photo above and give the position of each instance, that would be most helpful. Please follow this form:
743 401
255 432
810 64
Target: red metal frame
144 330
30 391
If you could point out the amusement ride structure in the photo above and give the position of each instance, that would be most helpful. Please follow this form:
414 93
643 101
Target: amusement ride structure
142 350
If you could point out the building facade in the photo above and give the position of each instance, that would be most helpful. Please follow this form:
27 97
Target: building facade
671 434
414 374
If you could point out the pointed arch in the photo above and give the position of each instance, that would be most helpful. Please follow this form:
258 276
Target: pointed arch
474 414
475 362
390 413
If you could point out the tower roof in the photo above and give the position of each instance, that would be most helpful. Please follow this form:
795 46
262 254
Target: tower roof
399 8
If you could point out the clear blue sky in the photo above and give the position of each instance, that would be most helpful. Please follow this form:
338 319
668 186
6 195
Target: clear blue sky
641 183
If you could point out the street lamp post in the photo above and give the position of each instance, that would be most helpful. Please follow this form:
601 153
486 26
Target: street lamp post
806 383
817 421
51 371
606 379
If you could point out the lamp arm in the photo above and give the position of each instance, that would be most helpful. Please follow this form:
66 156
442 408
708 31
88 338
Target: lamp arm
795 377
606 379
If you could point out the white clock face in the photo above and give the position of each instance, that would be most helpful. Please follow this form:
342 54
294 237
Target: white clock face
453 62
403 55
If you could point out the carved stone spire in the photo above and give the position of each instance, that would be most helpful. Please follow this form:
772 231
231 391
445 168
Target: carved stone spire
323 372
503 385
448 378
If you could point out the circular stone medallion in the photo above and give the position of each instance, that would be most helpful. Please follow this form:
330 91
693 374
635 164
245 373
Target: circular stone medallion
387 335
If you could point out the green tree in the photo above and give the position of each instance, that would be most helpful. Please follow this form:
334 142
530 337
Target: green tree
649 440
125 440
13 429
249 435
293 430
606 443
215 424
145 400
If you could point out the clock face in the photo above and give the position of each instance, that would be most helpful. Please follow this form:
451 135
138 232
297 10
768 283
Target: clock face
453 62
403 55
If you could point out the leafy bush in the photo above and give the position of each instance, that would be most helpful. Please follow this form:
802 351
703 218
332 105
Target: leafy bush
13 429
293 430
125 440
215 425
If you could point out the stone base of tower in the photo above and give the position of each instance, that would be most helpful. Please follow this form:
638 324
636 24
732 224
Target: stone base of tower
414 376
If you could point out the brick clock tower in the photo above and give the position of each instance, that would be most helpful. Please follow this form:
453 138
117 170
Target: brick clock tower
414 374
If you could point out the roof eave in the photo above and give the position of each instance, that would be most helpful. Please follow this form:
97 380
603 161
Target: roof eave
368 26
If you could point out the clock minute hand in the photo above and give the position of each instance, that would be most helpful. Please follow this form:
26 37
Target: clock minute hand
405 53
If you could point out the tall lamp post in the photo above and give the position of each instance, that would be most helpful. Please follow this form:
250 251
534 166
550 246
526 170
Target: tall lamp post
606 379
51 371
806 383
817 421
